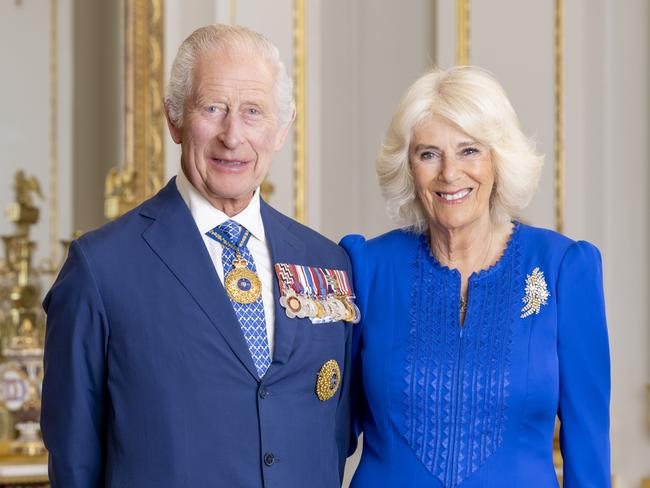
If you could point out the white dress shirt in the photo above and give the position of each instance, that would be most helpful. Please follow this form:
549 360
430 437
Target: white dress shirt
207 217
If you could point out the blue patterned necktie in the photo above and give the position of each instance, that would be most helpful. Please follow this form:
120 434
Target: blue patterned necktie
250 315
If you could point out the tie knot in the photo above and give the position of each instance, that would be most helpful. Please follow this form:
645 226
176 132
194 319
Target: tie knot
231 230
233 233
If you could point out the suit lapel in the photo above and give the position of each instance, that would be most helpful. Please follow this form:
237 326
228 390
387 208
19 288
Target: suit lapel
174 237
285 247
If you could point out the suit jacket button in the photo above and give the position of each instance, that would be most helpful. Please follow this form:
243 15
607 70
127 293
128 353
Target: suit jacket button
264 393
269 459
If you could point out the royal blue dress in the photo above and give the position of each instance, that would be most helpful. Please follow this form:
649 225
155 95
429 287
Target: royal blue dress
445 405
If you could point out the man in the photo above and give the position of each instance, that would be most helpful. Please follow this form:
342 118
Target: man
170 360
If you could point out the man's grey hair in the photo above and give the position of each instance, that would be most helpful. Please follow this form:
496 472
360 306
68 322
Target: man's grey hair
230 38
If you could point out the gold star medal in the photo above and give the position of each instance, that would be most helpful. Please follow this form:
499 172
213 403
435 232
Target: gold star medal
242 284
329 379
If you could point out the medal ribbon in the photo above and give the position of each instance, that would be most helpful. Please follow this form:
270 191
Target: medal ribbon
311 281
317 276
297 283
223 238
331 281
311 286
344 284
284 277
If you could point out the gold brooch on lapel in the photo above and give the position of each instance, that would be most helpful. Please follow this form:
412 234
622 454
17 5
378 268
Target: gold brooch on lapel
536 293
323 295
329 379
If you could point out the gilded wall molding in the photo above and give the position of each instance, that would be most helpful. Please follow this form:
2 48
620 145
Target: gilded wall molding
300 130
462 32
558 88
142 171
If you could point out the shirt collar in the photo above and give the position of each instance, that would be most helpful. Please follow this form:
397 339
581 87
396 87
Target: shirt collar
207 217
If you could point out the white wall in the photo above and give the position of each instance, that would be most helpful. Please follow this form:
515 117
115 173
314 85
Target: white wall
616 212
371 51
25 99
97 105
273 19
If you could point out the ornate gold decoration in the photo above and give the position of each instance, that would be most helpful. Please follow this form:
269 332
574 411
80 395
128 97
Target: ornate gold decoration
300 131
350 312
22 212
648 397
266 190
120 190
329 379
462 31
557 454
22 329
536 293
142 172
559 115
242 284
36 465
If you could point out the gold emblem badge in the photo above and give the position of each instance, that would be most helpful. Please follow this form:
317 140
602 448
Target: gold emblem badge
329 379
242 284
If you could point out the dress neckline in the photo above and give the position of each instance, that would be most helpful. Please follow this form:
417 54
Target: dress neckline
483 273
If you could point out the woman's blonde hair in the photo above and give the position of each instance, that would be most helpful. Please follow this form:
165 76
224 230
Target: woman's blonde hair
473 100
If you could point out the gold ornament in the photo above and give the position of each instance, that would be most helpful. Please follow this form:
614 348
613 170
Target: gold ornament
350 313
242 284
329 379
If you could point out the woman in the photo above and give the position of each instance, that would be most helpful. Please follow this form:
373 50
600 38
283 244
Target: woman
476 329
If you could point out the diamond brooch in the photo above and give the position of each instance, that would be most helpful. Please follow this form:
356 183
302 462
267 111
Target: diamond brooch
536 293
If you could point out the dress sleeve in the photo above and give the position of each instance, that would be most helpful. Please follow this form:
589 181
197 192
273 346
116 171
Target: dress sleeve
73 404
583 352
355 245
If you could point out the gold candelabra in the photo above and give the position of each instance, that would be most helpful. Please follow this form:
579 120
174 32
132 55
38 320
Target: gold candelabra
22 326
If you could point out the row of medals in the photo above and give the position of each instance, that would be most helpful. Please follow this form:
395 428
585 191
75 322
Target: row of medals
336 307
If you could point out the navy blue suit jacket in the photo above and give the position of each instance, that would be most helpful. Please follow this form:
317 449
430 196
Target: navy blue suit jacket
148 379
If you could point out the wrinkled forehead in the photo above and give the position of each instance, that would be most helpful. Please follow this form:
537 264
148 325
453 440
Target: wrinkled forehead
234 71
226 56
